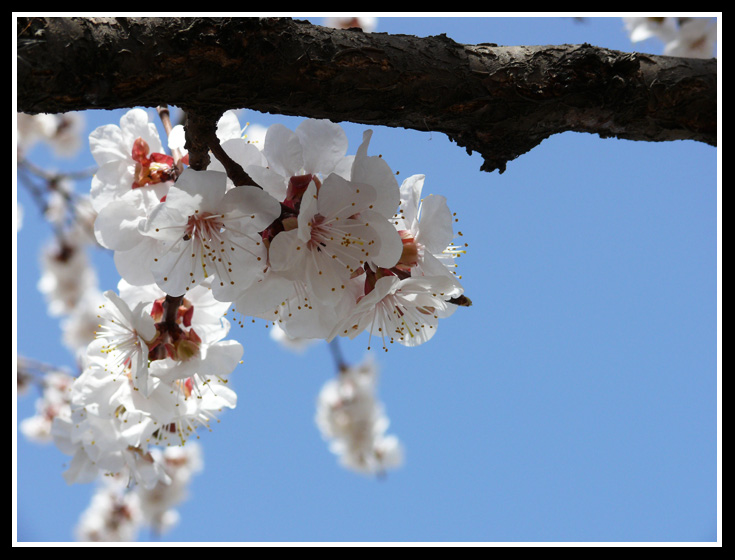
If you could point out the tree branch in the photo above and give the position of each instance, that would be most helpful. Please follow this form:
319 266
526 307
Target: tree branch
497 101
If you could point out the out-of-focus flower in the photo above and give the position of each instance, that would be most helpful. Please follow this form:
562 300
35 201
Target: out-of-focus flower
682 36
158 504
366 23
66 274
54 401
352 419
113 515
61 131
696 38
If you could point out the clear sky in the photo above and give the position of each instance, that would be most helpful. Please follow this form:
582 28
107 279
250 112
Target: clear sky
575 401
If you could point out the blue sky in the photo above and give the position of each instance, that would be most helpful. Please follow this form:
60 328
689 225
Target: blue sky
575 401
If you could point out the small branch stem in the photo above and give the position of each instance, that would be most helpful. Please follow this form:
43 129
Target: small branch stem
234 170
336 351
165 116
196 139
171 309
201 137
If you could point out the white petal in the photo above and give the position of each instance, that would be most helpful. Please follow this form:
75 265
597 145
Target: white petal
107 144
374 171
177 138
166 222
241 152
310 207
286 252
283 150
228 126
135 265
116 226
136 124
81 469
323 143
222 358
272 183
205 189
341 198
390 245
261 298
180 268
411 198
251 201
325 277
435 224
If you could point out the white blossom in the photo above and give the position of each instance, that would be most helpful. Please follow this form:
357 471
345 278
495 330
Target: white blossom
66 275
366 23
335 219
352 419
54 401
206 230
426 229
681 36
643 28
329 246
129 156
123 339
406 310
158 504
337 233
696 38
63 132
114 429
113 515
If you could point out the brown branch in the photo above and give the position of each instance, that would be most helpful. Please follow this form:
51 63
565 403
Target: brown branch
165 115
233 169
171 310
201 137
498 101
198 129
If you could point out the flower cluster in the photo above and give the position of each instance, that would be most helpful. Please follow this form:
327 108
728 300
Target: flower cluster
118 511
153 376
339 259
351 418
326 245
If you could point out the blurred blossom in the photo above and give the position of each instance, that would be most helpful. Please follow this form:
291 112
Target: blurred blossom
684 37
367 24
352 419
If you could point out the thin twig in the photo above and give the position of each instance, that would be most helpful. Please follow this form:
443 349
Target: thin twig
234 170
337 355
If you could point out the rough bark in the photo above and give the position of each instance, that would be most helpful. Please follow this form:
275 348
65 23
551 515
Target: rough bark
497 101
